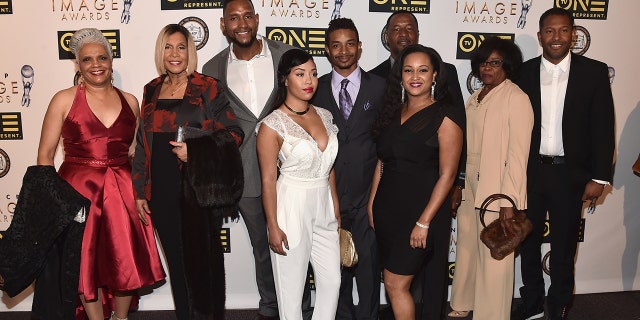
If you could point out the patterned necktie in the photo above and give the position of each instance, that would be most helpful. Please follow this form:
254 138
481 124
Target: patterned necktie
344 99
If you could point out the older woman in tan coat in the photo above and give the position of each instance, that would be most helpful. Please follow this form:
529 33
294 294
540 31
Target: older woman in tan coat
499 124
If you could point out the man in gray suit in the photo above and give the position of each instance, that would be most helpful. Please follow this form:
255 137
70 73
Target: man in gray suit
244 68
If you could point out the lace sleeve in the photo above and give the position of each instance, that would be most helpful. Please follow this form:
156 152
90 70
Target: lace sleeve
327 119
273 121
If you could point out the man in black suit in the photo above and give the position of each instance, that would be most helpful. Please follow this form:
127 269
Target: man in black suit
570 161
401 30
354 97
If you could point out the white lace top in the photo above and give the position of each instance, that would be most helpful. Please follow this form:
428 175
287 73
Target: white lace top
300 156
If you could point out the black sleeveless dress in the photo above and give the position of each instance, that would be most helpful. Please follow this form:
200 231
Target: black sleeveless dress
410 156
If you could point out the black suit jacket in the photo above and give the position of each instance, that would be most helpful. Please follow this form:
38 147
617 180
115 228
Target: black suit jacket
383 69
588 134
356 158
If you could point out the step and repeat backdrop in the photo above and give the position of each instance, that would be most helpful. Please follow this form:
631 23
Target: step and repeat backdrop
35 63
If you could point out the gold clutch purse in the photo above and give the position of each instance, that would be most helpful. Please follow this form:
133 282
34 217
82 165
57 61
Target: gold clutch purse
348 254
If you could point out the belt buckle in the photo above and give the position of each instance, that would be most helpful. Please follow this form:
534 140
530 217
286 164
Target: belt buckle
544 159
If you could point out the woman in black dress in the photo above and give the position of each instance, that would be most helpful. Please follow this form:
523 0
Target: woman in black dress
419 141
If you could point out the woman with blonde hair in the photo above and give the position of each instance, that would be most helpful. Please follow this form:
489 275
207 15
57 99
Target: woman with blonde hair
187 213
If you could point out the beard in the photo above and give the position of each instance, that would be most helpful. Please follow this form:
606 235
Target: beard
243 44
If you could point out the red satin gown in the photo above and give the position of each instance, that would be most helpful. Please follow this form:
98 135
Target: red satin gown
118 251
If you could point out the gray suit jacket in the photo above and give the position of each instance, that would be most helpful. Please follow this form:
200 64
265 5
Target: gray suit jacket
217 68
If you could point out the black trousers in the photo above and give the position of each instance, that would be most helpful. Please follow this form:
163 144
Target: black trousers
366 272
167 221
554 194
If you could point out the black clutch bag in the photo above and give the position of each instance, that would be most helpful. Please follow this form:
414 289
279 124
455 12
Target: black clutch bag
493 235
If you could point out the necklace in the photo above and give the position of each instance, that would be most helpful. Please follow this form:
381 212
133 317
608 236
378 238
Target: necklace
177 88
300 113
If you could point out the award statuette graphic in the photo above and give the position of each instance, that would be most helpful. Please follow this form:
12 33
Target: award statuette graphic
126 12
612 74
526 5
336 9
27 83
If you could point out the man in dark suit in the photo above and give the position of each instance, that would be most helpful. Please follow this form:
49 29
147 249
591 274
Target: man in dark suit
401 30
354 97
240 67
570 161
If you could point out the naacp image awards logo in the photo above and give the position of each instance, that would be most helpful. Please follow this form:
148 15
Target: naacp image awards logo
582 41
473 83
5 163
198 29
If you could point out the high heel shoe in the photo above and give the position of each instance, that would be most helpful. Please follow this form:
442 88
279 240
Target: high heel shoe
458 314
114 317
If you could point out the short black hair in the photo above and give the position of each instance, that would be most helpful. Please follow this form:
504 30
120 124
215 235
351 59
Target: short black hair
339 24
226 3
401 12
510 52
555 12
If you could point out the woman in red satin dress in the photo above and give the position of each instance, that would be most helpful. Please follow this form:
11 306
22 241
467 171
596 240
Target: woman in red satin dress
97 124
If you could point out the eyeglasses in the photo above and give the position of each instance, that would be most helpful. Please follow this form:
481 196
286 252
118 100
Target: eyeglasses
492 63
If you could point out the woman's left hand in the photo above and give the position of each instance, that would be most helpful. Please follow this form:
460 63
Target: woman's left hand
507 215
419 238
180 150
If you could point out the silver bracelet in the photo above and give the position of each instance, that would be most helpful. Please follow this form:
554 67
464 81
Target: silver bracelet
423 226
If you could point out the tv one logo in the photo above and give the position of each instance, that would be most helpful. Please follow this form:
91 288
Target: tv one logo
468 42
64 39
585 9
308 39
415 6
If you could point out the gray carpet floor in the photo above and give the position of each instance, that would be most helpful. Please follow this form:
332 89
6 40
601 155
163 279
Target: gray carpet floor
597 306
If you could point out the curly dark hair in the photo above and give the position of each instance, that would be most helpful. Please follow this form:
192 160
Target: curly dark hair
288 61
393 96
507 49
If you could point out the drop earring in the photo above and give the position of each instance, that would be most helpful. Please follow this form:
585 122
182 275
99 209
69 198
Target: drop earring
403 92
433 89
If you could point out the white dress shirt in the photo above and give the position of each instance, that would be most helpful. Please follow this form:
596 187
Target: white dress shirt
553 88
252 80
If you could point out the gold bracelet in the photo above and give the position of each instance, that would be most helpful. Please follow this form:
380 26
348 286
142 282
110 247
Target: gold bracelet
423 226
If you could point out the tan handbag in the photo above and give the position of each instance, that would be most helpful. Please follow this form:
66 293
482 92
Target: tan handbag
348 254
493 236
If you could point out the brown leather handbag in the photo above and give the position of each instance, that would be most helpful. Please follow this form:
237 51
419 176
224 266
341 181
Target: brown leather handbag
493 235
